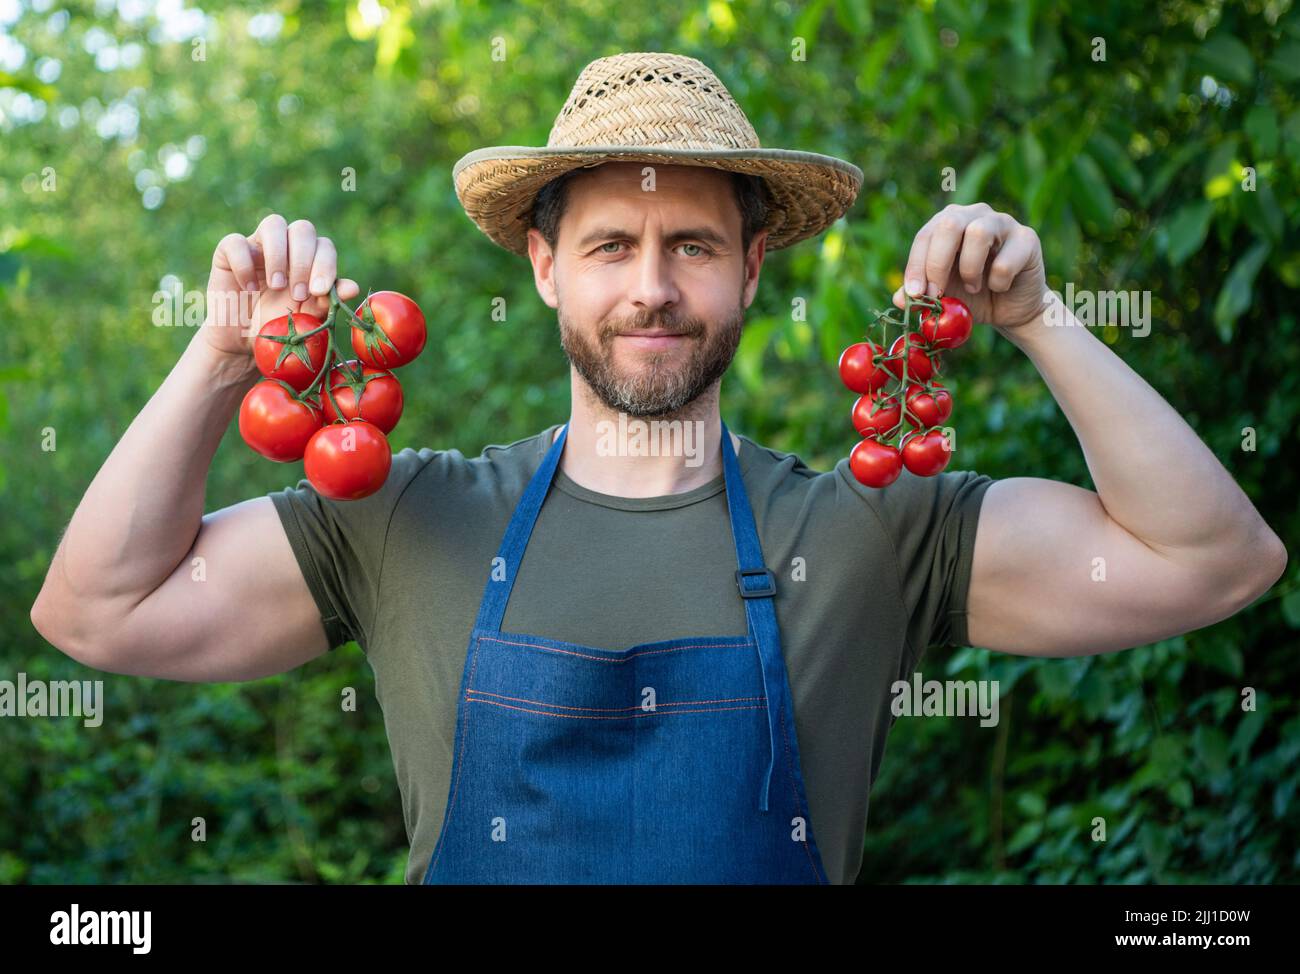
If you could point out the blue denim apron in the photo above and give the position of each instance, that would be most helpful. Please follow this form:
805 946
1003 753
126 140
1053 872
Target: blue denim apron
668 762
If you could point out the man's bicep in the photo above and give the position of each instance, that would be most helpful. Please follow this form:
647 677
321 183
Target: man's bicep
237 607
1054 575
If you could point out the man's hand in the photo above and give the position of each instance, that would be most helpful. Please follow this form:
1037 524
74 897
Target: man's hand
280 267
986 258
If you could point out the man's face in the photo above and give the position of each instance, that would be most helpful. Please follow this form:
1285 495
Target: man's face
650 285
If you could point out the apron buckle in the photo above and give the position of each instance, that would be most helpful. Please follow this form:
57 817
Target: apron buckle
769 588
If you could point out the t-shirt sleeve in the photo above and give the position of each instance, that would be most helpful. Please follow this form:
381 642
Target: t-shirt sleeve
932 523
340 545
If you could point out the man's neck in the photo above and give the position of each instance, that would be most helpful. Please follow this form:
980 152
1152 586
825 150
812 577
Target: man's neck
626 456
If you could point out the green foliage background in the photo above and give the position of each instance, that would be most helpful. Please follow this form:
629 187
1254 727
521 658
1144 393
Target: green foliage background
1129 167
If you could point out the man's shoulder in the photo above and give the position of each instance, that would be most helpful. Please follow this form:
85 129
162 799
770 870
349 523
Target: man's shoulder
772 466
831 483
495 462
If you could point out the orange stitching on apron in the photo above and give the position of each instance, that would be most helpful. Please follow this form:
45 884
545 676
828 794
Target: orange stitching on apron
670 703
602 659
547 713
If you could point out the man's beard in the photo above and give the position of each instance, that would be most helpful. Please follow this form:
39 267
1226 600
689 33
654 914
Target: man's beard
657 389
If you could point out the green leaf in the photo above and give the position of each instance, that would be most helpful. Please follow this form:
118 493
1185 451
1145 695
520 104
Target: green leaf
854 16
1167 757
1285 63
1031 153
1155 843
1215 649
1225 58
1180 793
33 87
874 63
1211 748
1041 196
1113 158
1171 168
1031 804
1219 161
1247 730
1259 208
1234 298
918 35
1291 609
1261 127
754 340
1067 240
959 97
1282 796
970 178
1090 192
1025 836
809 22
1020 27
1186 230
9 264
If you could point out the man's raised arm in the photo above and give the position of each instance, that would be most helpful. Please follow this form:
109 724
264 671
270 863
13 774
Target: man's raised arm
1180 544
122 593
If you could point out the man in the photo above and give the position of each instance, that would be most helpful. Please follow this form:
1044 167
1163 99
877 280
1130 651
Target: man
602 666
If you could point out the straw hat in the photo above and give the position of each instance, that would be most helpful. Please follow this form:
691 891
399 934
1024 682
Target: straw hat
652 107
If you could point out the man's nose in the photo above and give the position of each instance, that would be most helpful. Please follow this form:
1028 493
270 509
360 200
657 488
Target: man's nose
653 286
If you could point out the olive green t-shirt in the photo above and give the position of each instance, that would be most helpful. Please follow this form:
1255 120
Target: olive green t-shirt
867 579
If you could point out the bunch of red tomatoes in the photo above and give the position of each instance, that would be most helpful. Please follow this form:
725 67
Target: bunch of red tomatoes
331 414
911 369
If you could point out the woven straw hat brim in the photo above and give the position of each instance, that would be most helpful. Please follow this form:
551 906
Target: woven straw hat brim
809 191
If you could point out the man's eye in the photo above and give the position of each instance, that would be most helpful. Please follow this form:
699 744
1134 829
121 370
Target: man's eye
702 251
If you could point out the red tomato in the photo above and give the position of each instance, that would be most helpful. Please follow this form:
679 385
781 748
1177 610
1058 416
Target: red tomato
381 397
857 368
275 424
874 463
951 328
299 362
920 362
930 408
874 413
397 335
925 454
348 461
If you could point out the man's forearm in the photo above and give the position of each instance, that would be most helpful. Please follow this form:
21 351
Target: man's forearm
1153 474
142 511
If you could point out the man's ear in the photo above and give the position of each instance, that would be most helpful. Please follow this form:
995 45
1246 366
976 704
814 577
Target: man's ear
754 265
543 260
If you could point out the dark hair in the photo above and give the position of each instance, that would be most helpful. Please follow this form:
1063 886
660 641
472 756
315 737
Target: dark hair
751 198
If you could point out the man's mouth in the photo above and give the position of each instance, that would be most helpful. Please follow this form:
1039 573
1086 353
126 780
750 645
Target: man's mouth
653 339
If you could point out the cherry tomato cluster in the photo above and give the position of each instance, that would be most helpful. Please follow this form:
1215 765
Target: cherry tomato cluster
911 367
331 414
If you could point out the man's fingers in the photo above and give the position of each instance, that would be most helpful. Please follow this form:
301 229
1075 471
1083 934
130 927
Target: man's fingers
233 254
914 276
302 253
272 237
1021 245
259 264
945 239
319 304
324 267
982 236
